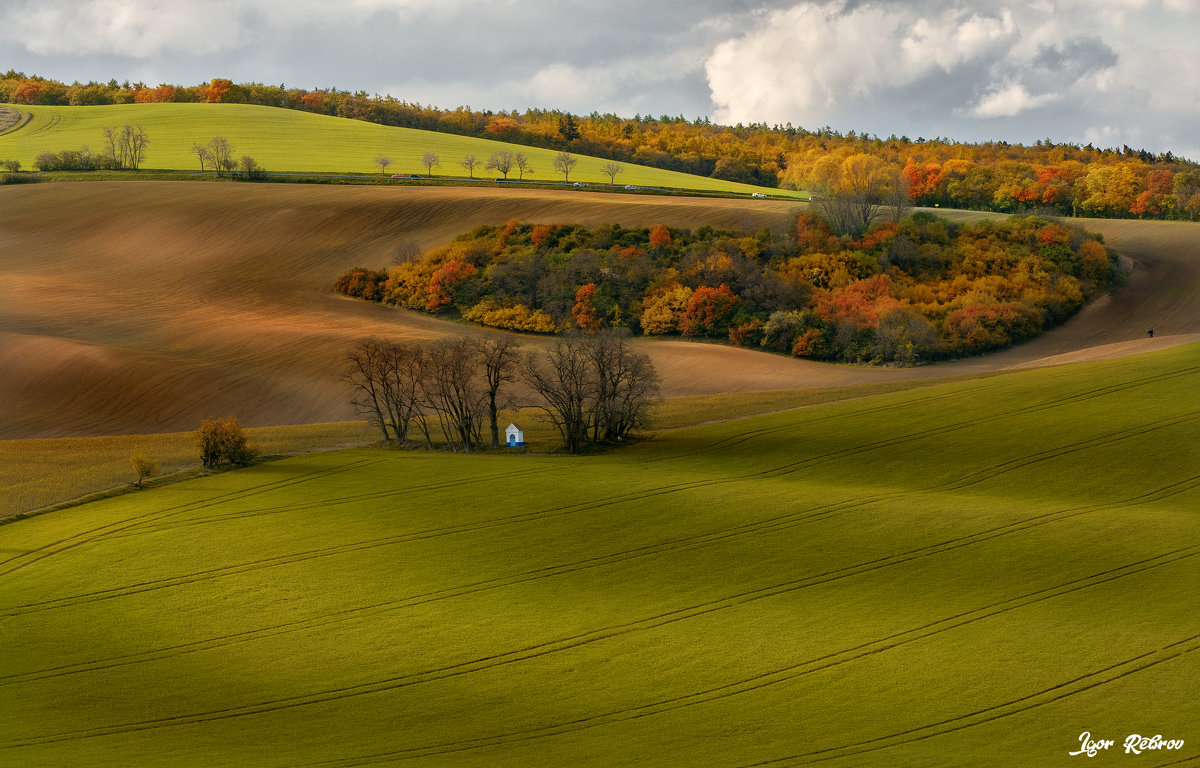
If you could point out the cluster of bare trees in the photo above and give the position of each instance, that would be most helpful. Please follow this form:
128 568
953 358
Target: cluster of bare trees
218 155
593 388
126 146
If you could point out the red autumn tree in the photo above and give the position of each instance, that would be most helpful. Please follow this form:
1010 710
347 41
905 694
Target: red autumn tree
708 311
443 283
584 311
313 101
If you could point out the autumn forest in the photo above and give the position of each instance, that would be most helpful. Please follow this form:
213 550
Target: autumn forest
915 290
1047 178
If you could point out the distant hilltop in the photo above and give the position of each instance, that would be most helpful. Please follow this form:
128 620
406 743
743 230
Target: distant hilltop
1046 178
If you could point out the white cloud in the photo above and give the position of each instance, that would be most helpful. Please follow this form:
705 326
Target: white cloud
1009 100
967 70
822 55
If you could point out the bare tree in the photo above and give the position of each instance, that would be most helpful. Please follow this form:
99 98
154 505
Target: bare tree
626 385
383 163
470 162
564 162
112 145
365 373
501 162
202 154
221 153
500 356
612 169
134 142
895 195
403 369
407 252
453 389
429 160
387 381
561 376
523 165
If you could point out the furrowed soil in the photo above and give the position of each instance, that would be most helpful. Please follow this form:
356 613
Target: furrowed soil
144 307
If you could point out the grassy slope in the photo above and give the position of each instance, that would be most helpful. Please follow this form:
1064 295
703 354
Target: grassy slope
953 575
40 473
284 140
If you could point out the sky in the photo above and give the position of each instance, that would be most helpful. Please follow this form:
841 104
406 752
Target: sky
1105 72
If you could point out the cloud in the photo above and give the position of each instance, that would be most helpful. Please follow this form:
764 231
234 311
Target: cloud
1011 69
120 27
1009 100
966 70
808 60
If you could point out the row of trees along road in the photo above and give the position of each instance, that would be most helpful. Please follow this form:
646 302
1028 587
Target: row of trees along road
593 388
503 162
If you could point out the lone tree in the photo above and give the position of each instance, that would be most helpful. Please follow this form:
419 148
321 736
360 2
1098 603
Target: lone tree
501 162
470 162
429 160
383 163
612 169
223 441
564 162
523 165
144 468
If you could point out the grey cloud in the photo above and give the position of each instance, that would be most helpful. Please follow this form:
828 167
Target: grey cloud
1077 57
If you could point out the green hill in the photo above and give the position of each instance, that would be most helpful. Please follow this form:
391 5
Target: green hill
972 573
289 141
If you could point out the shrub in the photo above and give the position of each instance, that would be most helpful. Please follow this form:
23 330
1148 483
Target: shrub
144 467
223 441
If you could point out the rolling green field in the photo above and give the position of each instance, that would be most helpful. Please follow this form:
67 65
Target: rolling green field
971 573
290 141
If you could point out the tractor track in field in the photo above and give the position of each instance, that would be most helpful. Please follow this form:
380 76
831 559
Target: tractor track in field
976 477
794 671
25 559
742 686
771 525
1018 706
722 443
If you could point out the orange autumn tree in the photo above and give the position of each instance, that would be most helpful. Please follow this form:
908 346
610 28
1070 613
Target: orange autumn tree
708 311
584 311
660 237
443 283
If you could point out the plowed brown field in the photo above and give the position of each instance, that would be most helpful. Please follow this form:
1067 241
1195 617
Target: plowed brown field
144 307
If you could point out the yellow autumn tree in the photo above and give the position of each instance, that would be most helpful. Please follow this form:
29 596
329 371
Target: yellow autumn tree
661 314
